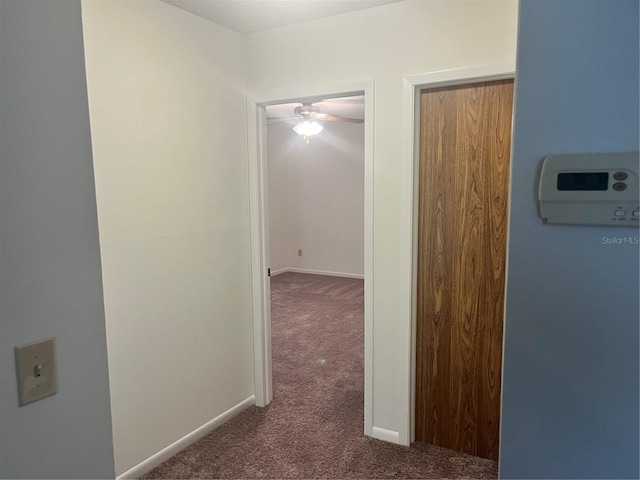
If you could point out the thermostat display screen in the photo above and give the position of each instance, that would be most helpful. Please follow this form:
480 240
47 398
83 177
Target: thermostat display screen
583 181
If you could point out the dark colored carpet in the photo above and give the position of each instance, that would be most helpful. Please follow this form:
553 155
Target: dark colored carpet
313 428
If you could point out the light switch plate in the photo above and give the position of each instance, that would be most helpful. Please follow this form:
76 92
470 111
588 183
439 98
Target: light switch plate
36 369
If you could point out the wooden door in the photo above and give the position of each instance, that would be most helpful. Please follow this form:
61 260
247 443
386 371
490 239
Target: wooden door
465 134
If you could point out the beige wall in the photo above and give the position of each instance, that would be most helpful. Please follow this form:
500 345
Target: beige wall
384 43
167 106
316 199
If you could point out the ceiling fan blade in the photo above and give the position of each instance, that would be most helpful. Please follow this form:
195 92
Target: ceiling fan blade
336 118
276 120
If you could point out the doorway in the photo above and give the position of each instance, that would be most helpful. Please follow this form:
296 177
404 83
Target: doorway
465 134
316 186
316 242
260 235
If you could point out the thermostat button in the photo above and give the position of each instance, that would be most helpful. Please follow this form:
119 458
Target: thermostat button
620 176
619 186
620 213
636 213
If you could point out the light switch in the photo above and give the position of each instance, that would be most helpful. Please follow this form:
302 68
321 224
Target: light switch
36 370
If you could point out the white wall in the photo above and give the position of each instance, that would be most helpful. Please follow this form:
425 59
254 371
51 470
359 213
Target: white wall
281 248
570 390
50 263
316 199
167 104
385 44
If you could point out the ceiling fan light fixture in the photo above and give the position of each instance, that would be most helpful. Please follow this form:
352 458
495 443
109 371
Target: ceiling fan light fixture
308 127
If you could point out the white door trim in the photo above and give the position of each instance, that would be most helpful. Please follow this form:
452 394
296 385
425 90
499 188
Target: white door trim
261 301
410 158
259 232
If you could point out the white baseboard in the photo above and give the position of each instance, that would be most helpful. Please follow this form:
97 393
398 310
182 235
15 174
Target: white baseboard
278 272
318 272
168 452
385 435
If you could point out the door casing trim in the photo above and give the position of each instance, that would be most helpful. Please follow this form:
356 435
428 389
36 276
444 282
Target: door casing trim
413 84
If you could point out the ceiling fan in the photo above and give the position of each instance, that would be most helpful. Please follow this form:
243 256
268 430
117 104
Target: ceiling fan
309 111
308 116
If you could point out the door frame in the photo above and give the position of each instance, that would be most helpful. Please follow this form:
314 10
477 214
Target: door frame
413 85
259 228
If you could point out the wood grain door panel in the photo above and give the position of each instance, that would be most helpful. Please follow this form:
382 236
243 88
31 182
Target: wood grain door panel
465 134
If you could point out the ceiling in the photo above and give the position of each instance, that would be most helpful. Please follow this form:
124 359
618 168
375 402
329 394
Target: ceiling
247 16
351 107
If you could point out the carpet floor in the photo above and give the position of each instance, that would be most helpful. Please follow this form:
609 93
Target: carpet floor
313 428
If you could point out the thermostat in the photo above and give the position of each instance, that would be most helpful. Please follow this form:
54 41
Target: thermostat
590 189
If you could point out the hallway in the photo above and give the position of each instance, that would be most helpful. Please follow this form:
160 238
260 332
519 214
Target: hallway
313 427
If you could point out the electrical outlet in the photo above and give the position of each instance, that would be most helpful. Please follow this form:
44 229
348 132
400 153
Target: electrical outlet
36 370
299 252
